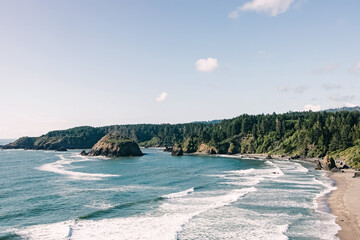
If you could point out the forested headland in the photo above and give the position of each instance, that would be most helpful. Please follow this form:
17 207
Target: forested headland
306 134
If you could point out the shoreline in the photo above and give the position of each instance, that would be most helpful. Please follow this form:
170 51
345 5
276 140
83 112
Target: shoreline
256 156
344 204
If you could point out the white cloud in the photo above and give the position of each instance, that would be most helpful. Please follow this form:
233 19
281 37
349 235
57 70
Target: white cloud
329 86
356 68
235 14
298 89
327 69
311 107
301 89
282 88
206 65
338 98
271 7
161 97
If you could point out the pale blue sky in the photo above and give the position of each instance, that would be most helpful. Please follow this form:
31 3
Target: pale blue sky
69 63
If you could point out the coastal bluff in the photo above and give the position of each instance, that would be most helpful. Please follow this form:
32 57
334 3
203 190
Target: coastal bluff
115 145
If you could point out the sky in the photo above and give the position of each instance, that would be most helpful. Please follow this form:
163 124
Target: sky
66 63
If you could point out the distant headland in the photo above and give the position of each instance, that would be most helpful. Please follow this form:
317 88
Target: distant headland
334 132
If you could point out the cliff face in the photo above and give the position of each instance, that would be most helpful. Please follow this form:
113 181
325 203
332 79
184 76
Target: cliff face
115 145
206 149
23 142
74 138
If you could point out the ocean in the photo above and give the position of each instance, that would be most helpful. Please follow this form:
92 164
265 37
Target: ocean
62 195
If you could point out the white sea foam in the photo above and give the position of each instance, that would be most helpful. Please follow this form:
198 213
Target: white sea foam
235 223
306 183
320 203
276 169
300 168
179 194
100 205
63 167
118 189
291 166
245 183
327 225
241 172
251 176
165 223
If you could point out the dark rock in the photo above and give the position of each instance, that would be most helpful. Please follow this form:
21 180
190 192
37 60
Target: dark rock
334 169
328 163
356 175
84 153
177 151
345 167
168 149
213 151
62 149
318 165
295 157
115 145
268 156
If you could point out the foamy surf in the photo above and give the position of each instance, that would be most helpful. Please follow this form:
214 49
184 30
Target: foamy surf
234 199
179 194
63 167
164 224
251 176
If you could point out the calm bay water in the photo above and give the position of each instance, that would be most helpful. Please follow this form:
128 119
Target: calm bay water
53 195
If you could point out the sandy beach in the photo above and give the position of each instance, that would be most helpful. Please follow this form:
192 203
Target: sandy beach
344 203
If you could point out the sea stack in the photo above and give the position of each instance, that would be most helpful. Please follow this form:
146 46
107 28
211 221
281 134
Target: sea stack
328 163
177 151
115 145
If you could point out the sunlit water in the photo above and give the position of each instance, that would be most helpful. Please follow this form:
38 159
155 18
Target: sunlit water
53 195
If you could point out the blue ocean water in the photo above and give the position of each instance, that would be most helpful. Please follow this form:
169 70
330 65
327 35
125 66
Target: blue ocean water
6 141
62 195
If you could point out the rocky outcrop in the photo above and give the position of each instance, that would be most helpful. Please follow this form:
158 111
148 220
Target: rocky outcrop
344 167
296 156
23 142
328 163
168 149
206 149
356 175
115 145
177 151
318 165
84 153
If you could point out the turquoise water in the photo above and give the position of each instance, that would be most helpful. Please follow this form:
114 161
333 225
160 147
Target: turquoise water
53 195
